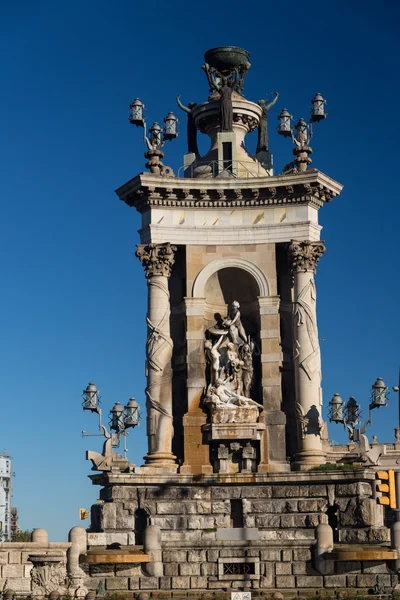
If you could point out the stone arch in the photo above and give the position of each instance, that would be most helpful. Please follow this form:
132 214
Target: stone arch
236 262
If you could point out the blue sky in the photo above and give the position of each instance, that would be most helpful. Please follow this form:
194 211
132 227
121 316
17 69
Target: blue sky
73 298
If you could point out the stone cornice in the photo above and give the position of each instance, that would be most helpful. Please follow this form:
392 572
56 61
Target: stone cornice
147 190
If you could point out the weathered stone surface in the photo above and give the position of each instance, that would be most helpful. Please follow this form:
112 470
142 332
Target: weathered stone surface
198 583
366 580
351 581
208 569
165 583
171 508
232 553
171 522
256 492
102 570
283 568
273 506
271 555
109 515
189 569
3 558
9 571
223 493
180 583
197 556
221 507
126 570
212 555
360 535
203 508
14 557
116 583
267 521
287 534
134 583
200 522
284 581
373 567
361 488
286 555
317 490
344 567
293 520
124 517
171 569
312 505
96 539
174 556
222 521
20 584
309 581
303 554
148 583
335 581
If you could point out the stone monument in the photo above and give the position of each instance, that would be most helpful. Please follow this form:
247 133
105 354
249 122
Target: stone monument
224 498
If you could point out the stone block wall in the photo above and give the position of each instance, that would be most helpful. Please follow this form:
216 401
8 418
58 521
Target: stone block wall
271 549
15 567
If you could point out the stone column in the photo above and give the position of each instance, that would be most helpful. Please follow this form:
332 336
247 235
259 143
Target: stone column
157 260
304 256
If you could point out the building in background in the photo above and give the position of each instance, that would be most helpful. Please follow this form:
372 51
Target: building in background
14 527
5 497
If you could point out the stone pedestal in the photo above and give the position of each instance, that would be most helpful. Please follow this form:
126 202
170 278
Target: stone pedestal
304 256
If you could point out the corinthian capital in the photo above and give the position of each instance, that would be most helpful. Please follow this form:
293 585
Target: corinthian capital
305 255
157 259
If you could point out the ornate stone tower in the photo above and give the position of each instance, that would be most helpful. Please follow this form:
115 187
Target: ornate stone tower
229 252
233 396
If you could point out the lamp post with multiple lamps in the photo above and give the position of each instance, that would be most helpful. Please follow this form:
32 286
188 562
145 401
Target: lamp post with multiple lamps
121 418
157 139
350 413
303 135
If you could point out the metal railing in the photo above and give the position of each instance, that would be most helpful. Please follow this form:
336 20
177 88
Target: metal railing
223 169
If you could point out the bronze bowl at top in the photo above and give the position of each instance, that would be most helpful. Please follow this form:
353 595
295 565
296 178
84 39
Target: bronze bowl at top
225 58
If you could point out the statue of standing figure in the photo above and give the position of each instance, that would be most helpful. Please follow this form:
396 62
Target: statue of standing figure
225 87
191 126
233 322
262 143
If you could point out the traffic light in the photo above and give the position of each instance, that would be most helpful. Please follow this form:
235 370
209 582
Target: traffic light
83 513
387 488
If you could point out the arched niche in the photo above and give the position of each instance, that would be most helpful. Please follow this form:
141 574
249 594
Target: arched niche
226 263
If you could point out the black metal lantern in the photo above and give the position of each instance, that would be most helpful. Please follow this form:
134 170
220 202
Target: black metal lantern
91 398
336 413
155 133
352 412
285 127
379 390
136 116
170 130
131 418
318 109
117 418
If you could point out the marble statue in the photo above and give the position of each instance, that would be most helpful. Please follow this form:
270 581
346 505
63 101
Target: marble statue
229 354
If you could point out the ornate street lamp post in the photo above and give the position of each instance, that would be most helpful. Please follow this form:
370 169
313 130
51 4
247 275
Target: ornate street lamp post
121 418
303 135
350 414
157 138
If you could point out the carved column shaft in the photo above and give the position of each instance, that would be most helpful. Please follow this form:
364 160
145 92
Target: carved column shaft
157 260
304 256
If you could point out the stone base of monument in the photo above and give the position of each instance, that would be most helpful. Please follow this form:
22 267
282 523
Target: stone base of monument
242 531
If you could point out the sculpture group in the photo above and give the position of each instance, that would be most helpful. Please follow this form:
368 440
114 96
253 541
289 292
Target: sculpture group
229 357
